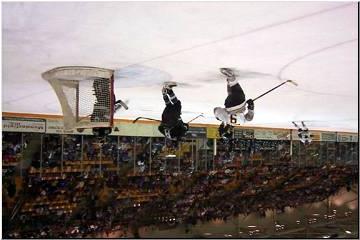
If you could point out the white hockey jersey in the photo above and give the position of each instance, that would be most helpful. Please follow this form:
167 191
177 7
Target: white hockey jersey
305 136
229 115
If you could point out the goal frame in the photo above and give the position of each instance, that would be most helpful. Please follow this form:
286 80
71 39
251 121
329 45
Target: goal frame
73 75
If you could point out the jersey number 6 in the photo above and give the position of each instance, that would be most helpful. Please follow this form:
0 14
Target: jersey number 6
233 118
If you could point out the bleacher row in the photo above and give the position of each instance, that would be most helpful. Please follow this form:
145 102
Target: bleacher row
76 167
106 193
159 197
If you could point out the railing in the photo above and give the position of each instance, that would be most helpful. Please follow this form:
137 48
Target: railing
17 208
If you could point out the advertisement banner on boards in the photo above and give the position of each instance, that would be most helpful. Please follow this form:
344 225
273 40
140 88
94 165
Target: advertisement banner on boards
282 134
272 134
212 132
136 129
23 125
328 137
196 132
315 136
244 133
57 127
264 134
347 137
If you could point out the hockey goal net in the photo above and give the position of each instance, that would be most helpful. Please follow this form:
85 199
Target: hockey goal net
86 95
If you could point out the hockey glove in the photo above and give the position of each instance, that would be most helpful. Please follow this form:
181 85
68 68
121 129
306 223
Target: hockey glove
250 104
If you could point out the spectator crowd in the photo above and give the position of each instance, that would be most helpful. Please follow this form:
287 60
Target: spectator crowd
88 204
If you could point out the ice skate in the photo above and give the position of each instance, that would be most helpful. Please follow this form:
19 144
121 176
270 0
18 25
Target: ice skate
230 76
168 86
227 72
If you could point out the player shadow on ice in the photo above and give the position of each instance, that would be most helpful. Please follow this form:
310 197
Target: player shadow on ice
140 76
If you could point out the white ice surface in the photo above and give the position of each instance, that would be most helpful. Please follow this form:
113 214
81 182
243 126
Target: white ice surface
313 43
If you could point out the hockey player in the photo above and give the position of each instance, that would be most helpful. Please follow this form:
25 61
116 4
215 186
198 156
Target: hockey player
172 126
101 112
235 104
303 133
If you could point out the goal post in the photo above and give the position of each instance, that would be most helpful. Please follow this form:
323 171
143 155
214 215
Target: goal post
86 95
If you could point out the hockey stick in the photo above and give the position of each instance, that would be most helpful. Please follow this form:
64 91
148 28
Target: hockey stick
138 118
200 115
146 118
287 81
118 104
